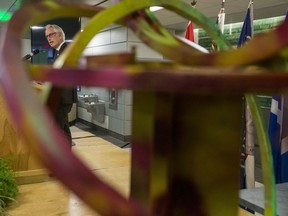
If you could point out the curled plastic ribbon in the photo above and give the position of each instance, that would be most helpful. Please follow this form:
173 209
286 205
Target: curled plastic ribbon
49 143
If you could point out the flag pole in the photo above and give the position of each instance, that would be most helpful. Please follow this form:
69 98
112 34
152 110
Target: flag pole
221 17
194 3
190 27
247 155
220 22
251 5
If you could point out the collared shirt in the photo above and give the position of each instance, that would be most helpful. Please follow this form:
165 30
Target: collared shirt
58 48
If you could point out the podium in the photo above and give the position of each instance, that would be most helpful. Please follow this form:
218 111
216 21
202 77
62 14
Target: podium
14 150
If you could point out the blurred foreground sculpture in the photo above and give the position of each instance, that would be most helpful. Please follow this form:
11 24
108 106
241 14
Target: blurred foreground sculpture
186 114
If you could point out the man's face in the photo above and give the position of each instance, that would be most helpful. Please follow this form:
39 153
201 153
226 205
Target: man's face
54 38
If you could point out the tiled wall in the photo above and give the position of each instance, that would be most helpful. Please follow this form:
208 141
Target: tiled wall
121 39
117 39
26 46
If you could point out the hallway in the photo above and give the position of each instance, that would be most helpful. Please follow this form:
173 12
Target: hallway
51 198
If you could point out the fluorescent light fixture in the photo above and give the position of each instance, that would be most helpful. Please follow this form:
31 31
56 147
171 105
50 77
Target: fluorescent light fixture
37 27
5 16
155 8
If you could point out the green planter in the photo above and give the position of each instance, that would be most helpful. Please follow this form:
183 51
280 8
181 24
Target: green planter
8 185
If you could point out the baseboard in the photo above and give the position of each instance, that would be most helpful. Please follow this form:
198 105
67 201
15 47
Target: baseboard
119 136
92 126
71 123
113 134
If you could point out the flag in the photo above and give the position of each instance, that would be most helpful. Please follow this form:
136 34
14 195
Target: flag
220 22
249 151
278 135
221 19
190 32
246 32
189 35
243 147
247 179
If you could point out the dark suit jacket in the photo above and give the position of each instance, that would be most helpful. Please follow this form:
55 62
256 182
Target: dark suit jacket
69 95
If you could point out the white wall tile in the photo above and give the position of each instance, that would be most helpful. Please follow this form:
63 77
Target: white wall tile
116 125
108 49
132 37
119 113
88 51
143 51
128 113
127 128
25 46
121 97
119 35
128 97
102 38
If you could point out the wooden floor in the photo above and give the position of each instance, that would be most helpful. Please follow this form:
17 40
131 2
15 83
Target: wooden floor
50 198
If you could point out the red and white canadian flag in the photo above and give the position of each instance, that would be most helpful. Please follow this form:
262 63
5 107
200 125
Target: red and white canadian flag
190 32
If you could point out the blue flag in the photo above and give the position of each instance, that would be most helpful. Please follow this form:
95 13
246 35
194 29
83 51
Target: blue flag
247 149
278 135
274 129
246 32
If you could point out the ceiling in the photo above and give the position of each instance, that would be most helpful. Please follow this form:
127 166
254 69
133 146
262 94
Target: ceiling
234 9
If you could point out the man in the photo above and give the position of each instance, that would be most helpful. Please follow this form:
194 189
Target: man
61 99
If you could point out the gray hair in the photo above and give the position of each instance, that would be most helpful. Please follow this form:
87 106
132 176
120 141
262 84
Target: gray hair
57 29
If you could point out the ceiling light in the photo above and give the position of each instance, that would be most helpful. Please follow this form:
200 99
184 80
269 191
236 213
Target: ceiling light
37 27
155 8
5 16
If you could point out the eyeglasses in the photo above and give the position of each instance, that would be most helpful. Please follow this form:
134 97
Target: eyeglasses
51 35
